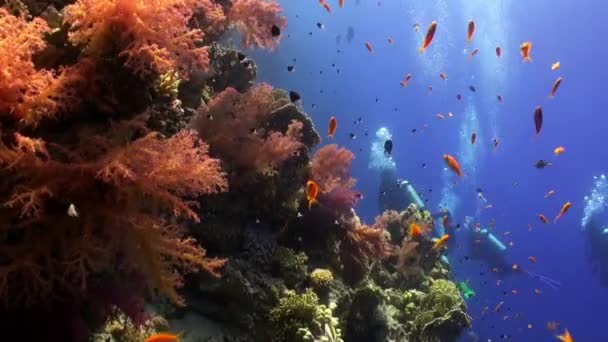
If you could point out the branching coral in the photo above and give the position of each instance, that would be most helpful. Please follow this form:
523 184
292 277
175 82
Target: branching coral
363 244
254 20
120 194
233 125
152 36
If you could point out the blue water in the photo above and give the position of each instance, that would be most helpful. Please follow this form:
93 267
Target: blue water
341 78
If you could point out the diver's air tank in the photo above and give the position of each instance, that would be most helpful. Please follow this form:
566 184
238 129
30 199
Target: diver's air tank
495 242
412 194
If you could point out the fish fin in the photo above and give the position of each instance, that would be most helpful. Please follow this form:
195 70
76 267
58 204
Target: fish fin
421 49
311 202
550 96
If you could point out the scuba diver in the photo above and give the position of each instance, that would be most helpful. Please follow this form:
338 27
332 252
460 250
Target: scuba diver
596 232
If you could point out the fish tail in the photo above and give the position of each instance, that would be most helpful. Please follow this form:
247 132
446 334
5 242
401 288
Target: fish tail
330 136
550 96
421 49
556 218
311 202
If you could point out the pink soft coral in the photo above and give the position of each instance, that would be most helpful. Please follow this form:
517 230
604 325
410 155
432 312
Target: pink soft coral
232 124
122 195
152 35
254 20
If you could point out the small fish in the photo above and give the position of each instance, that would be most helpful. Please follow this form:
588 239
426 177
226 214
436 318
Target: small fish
541 164
499 98
353 136
415 230
470 31
369 47
475 51
565 337
428 38
441 242
472 88
72 210
498 51
525 51
555 66
164 337
452 164
312 191
559 150
543 219
562 211
290 68
333 125
416 27
450 114
275 31
473 138
326 6
390 40
532 259
498 306
406 80
495 142
294 96
556 84
341 3
388 147
458 97
443 76
538 119
549 193
320 25
440 116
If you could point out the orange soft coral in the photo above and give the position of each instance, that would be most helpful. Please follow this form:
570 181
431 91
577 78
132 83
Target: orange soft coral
363 244
331 168
153 36
121 194
233 125
254 20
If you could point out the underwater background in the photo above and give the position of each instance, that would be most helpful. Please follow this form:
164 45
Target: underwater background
336 75
291 170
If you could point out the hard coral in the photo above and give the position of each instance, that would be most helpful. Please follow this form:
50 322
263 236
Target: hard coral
120 196
254 20
152 36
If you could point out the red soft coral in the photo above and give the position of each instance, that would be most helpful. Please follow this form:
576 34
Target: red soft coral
153 35
254 20
121 198
233 125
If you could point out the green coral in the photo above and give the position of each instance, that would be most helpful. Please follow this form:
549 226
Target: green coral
442 314
367 318
291 265
321 278
300 317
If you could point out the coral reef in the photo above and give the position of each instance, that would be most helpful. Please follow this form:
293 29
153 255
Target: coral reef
321 278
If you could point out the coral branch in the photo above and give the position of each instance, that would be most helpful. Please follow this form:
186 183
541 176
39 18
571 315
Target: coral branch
254 20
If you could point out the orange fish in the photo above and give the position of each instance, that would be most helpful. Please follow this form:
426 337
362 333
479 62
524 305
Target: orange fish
440 116
565 337
470 31
543 219
415 230
498 306
562 211
369 47
532 259
555 66
498 51
164 337
443 76
559 150
473 53
341 3
312 190
473 138
333 125
453 164
406 80
549 193
326 6
430 33
556 84
525 51
441 242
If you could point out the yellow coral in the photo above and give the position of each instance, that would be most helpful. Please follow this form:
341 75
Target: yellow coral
321 278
